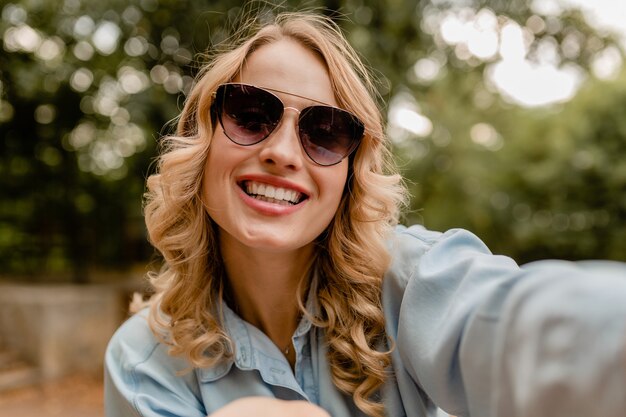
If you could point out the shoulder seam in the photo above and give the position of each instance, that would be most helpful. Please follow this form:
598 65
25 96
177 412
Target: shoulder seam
133 375
430 241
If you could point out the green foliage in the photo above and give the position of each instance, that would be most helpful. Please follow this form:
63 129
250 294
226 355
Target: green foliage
86 88
554 189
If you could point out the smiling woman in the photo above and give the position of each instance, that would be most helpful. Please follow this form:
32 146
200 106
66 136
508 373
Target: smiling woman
286 277
283 111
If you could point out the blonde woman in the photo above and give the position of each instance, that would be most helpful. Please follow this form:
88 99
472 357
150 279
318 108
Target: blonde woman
288 289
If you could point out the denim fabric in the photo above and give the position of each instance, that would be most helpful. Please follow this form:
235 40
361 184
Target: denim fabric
473 332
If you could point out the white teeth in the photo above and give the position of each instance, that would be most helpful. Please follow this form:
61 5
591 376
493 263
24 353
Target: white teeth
270 193
280 193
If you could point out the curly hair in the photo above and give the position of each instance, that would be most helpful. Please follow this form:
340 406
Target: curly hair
351 255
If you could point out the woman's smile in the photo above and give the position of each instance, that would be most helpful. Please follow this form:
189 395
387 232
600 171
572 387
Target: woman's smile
272 194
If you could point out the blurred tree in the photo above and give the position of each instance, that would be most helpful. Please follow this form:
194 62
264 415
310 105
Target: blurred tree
85 88
534 182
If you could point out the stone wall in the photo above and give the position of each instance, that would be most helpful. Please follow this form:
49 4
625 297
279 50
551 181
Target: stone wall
61 328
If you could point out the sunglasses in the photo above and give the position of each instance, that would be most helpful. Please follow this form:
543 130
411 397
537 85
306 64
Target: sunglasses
250 114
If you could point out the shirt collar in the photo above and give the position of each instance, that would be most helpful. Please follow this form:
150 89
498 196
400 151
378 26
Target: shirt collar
254 350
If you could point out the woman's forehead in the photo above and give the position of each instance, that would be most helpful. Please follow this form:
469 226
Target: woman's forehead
288 66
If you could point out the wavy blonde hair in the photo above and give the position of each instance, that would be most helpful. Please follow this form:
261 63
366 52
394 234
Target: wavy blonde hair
351 254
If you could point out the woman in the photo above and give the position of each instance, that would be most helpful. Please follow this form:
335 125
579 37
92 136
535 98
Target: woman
274 207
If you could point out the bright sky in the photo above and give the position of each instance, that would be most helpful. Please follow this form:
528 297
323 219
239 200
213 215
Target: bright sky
609 14
540 81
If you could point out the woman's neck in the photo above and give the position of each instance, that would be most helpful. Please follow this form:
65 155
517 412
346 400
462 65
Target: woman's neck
264 287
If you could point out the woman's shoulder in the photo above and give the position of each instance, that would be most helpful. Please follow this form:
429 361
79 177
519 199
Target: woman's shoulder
417 231
140 374
410 234
134 341
416 244
135 351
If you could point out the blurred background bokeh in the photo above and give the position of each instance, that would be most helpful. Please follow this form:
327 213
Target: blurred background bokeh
507 117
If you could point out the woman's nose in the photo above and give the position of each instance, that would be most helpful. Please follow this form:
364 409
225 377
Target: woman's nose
282 148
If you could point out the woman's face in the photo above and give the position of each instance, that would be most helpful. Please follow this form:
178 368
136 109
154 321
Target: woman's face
236 176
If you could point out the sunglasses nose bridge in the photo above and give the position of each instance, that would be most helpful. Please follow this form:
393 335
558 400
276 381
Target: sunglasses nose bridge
292 108
297 117
298 114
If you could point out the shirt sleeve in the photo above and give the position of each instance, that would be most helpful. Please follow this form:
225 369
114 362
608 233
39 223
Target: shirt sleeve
142 380
483 337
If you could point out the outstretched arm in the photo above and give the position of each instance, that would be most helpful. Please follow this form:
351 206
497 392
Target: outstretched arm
483 337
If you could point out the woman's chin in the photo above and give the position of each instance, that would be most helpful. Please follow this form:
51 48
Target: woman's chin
268 241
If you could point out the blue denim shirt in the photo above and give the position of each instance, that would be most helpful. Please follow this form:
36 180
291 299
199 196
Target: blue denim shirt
474 334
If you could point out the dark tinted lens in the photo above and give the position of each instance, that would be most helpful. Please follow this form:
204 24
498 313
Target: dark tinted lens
247 114
329 134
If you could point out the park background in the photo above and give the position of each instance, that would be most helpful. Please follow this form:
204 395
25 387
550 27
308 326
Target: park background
507 118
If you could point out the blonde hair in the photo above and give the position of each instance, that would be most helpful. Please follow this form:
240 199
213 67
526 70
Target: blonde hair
351 254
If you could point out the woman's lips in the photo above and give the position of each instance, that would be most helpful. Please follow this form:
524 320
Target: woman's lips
271 193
